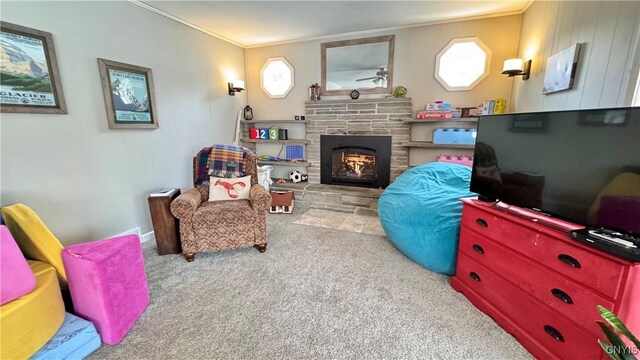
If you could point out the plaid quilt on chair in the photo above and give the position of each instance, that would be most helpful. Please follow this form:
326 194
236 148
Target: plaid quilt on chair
220 161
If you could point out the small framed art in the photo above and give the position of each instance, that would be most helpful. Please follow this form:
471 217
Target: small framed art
128 95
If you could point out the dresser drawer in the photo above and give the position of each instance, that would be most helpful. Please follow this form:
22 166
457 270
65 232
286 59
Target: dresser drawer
554 332
562 294
593 270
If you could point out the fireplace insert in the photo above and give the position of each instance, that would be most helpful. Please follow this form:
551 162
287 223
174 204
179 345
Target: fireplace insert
355 160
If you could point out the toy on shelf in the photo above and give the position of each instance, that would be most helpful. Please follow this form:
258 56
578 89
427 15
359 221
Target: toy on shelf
493 106
435 111
294 152
281 181
267 158
451 136
424 114
456 159
295 176
273 133
275 159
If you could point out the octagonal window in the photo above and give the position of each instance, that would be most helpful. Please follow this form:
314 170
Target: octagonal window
276 77
462 64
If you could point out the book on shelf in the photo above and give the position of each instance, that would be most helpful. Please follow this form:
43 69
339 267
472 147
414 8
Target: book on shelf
162 192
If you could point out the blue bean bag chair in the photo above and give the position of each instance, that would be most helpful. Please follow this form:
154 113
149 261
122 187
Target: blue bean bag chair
421 211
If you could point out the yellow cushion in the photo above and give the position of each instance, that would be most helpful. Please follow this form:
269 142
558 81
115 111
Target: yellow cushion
35 240
28 322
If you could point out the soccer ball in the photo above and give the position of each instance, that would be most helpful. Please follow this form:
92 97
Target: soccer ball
295 176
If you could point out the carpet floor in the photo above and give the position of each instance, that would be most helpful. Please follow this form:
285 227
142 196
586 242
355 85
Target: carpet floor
317 293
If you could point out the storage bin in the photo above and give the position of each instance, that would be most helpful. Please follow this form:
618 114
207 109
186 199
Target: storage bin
264 176
454 136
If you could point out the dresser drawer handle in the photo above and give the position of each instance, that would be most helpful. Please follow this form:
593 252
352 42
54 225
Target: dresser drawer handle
477 248
482 222
475 276
569 260
554 333
562 296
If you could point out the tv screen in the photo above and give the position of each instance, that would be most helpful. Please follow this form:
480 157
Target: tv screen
582 166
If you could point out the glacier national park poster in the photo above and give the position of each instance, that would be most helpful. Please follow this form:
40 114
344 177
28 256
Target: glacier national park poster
29 77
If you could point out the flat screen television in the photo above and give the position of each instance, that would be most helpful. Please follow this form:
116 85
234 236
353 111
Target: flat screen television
581 166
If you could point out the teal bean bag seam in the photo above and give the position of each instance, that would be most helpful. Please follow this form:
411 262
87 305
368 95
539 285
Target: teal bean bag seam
421 212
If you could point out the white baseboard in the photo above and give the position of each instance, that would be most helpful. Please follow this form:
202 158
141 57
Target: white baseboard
148 237
136 231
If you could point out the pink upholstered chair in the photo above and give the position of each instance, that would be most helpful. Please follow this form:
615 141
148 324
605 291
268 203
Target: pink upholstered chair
222 225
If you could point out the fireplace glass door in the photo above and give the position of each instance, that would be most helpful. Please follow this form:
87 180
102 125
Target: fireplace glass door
356 165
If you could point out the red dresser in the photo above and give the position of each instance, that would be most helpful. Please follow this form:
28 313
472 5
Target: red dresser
540 285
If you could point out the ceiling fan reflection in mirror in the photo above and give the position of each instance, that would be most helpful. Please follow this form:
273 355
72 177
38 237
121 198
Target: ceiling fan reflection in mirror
380 80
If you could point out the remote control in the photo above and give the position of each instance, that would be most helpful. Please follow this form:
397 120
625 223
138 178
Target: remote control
620 235
602 235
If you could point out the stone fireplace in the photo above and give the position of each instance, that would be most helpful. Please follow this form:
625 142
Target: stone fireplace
383 121
378 118
355 160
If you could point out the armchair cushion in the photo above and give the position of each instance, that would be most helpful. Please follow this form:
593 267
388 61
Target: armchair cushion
218 216
229 188
185 205
260 198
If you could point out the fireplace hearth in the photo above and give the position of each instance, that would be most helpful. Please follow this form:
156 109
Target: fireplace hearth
355 160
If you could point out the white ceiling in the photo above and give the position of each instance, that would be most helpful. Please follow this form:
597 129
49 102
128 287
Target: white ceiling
258 23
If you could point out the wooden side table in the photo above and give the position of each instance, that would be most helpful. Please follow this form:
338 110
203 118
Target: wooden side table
165 226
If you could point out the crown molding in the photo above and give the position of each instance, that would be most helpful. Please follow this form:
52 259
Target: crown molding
387 29
331 36
184 22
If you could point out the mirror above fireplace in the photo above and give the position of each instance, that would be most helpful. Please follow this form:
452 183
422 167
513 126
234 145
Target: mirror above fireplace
365 65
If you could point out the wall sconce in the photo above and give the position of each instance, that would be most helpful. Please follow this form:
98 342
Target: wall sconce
515 67
235 86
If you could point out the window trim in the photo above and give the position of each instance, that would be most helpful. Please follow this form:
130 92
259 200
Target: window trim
487 63
291 70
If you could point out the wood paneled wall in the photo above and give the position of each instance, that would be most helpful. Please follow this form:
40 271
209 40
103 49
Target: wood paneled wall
608 65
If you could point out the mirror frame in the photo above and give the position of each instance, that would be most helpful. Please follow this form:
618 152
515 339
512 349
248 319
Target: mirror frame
391 39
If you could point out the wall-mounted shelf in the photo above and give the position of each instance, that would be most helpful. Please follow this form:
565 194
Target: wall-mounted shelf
429 144
284 163
421 147
296 128
436 121
274 121
263 141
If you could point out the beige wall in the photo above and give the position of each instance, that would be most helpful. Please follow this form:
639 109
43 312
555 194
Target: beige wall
85 180
608 64
415 52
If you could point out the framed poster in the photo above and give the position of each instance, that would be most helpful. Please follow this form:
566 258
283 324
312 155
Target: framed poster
561 70
29 75
128 95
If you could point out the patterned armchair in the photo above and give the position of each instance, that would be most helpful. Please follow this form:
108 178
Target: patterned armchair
222 225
